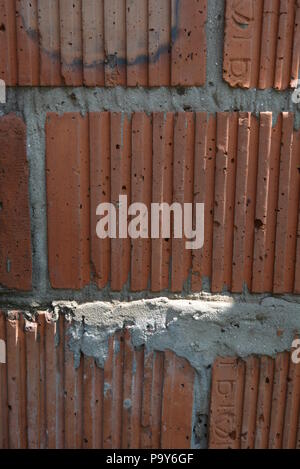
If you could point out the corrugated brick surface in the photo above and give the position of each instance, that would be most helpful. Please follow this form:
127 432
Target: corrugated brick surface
262 43
15 233
103 43
255 403
245 171
138 400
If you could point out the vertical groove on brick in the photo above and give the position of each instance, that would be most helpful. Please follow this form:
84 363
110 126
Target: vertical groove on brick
188 42
49 40
178 394
240 233
137 42
113 393
204 182
93 42
54 383
4 431
287 211
284 44
226 406
297 258
28 42
268 43
159 42
120 185
15 234
223 121
68 200
33 385
296 48
141 183
183 181
250 403
41 338
279 400
262 203
292 410
71 41
115 42
100 193
92 404
8 43
16 382
133 373
152 400
272 206
264 403
230 200
73 379
163 141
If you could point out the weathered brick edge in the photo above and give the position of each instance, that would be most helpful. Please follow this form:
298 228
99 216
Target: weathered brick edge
103 42
255 403
245 171
262 43
15 233
139 399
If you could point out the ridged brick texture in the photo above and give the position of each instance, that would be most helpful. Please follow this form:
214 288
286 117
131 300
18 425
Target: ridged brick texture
262 43
255 403
245 170
47 400
15 233
103 42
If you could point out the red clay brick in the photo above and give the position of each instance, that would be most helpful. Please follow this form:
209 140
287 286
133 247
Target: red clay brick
177 406
152 400
189 43
15 235
287 210
141 192
137 42
204 187
249 411
115 42
120 185
8 44
16 381
100 42
32 385
49 37
93 42
242 168
159 43
270 403
68 200
28 45
3 391
139 400
226 403
100 166
183 180
73 397
261 38
71 42
162 192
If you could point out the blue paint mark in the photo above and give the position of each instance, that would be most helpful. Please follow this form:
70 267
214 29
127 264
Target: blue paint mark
113 61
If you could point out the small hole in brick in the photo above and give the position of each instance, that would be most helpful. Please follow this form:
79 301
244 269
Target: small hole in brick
2 27
1 206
